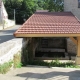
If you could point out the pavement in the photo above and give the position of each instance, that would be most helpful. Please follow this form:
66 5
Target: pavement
8 42
42 73
7 34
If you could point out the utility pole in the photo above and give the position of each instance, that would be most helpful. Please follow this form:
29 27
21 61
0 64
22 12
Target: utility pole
14 16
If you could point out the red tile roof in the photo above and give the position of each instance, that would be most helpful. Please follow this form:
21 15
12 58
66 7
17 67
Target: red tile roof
50 23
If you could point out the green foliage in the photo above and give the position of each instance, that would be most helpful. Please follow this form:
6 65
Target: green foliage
39 63
55 63
24 56
51 5
54 5
24 9
5 67
17 61
13 4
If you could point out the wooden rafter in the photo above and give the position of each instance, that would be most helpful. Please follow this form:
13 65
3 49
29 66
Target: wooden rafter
74 40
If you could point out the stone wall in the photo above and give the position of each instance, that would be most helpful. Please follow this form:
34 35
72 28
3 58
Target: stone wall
71 47
54 42
6 24
72 5
9 48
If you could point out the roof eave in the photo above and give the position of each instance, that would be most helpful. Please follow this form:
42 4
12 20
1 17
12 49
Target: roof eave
48 35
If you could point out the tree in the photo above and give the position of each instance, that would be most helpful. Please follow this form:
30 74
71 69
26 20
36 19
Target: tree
51 6
40 4
24 9
54 5
13 3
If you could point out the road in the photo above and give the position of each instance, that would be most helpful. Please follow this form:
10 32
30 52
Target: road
7 34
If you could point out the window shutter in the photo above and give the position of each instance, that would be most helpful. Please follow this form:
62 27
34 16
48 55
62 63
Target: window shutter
78 3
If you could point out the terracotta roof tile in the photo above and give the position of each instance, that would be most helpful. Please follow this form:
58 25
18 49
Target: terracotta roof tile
50 22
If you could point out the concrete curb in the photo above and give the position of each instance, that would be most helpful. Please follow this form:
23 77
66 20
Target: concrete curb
52 67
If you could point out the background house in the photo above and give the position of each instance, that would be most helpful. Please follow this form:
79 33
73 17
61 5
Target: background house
73 6
4 21
3 13
0 11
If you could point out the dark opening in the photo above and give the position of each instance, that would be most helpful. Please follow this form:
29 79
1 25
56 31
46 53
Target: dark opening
51 47
50 54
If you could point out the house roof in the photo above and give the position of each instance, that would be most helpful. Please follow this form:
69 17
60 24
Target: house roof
48 24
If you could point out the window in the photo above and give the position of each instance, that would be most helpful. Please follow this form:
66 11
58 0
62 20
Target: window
78 3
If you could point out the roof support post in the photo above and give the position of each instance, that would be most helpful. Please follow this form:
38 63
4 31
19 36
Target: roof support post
75 41
78 52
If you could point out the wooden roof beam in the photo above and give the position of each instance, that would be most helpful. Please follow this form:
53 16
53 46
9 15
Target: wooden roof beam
46 35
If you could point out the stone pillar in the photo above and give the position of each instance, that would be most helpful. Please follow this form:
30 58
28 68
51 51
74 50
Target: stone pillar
30 50
33 43
78 52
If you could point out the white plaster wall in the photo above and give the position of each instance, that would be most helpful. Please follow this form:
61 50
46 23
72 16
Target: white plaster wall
0 10
72 5
4 21
3 12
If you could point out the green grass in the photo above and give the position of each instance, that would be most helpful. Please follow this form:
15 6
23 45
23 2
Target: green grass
17 61
4 68
55 63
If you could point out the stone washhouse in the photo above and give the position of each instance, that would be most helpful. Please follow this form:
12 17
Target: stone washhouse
50 24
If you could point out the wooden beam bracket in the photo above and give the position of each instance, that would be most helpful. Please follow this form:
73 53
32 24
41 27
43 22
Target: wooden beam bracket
75 41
